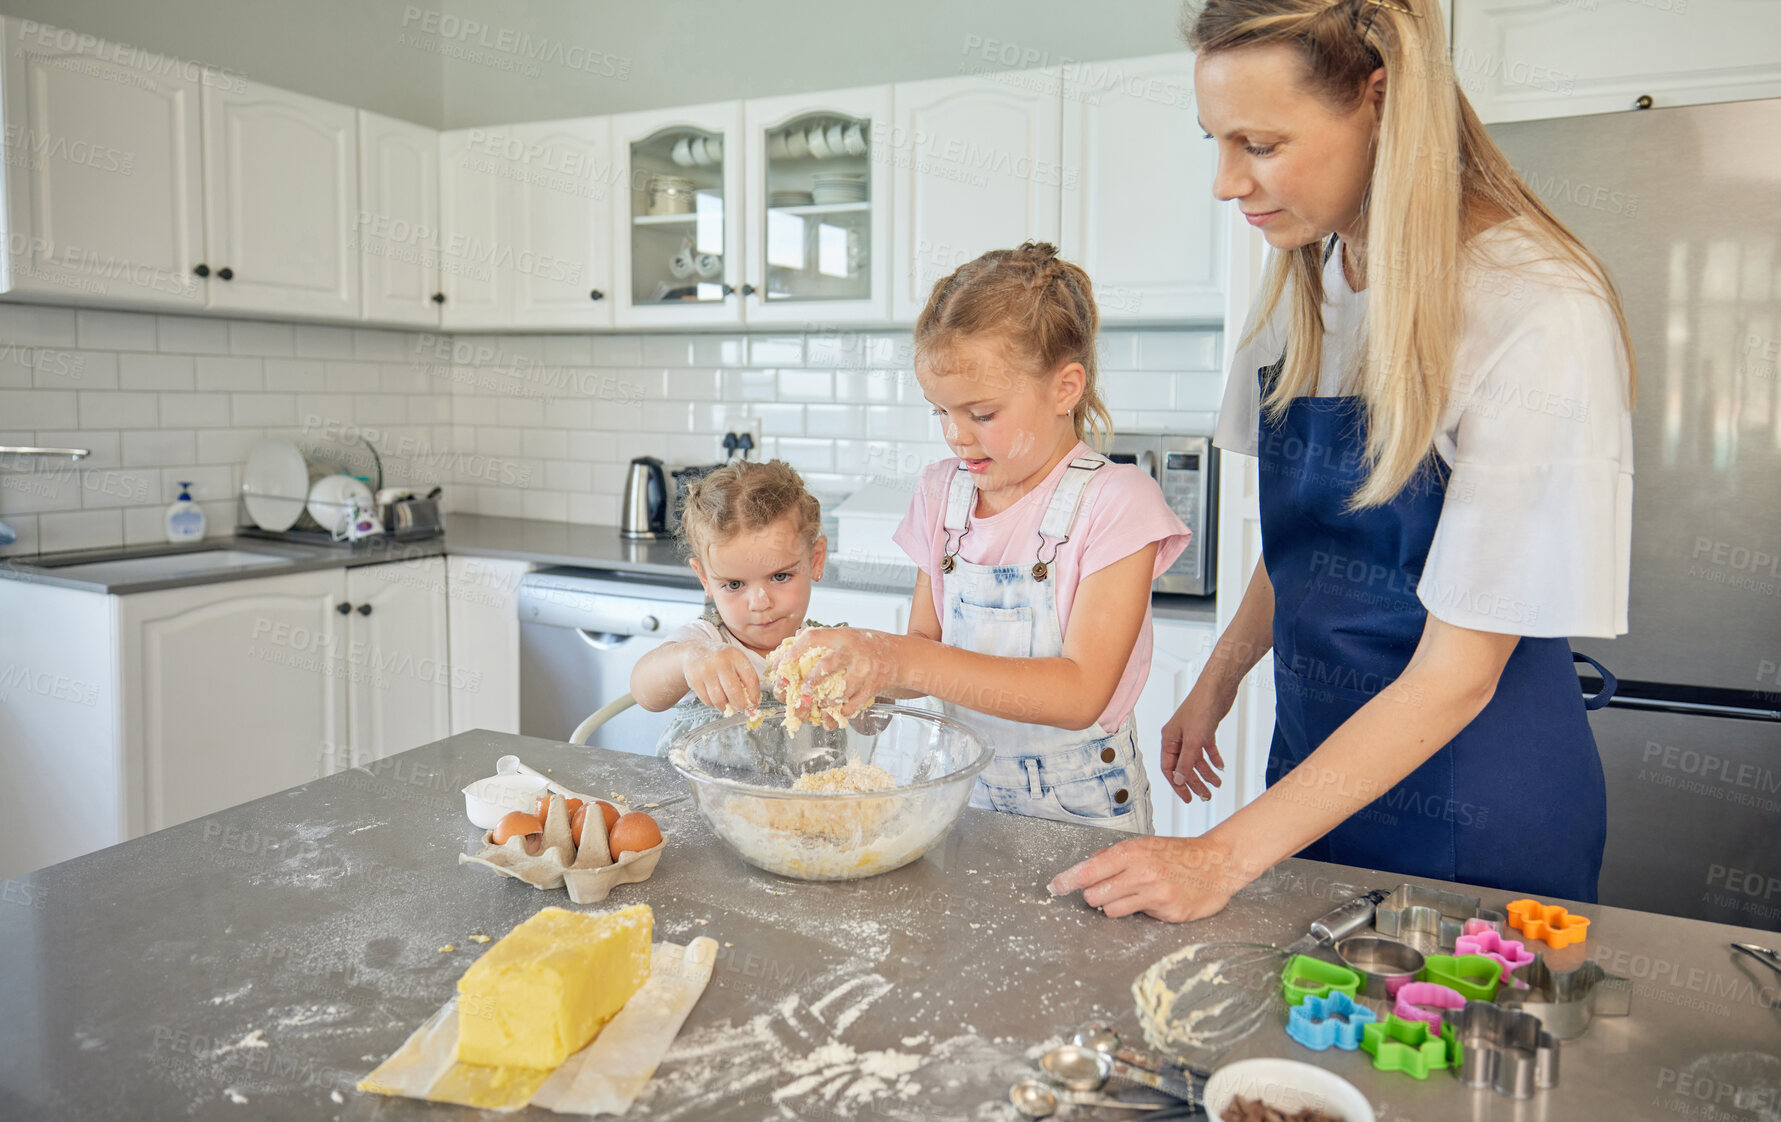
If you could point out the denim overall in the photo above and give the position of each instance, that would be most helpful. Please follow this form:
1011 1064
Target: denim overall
1087 775
1516 800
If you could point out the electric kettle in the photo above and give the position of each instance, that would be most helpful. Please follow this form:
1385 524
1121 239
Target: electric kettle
644 513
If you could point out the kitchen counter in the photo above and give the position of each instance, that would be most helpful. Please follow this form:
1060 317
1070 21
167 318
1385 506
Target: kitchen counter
515 539
256 963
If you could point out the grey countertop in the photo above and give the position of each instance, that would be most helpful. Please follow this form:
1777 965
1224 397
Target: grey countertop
515 539
256 963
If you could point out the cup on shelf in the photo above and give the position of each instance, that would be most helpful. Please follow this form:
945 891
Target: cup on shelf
797 145
854 140
682 152
708 265
700 159
682 264
836 136
776 147
817 141
714 150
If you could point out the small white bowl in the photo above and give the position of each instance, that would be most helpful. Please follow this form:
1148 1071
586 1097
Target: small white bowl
487 801
1286 1085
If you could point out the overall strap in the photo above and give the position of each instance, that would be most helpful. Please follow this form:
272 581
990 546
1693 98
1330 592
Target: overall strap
959 498
1060 513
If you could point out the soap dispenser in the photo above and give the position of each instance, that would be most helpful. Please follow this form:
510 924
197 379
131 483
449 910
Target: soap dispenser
185 518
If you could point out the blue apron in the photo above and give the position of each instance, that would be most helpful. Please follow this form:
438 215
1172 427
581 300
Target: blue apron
1517 800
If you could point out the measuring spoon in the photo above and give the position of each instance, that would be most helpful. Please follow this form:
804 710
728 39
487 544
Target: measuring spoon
1084 1069
1035 1100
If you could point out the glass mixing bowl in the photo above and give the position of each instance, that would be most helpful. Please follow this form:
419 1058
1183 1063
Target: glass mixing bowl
742 779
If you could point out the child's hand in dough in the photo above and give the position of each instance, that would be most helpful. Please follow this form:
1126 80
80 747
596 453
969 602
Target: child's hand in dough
721 676
867 658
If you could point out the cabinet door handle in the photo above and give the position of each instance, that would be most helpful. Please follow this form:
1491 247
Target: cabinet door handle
596 294
201 269
748 290
364 609
438 297
226 273
343 608
729 290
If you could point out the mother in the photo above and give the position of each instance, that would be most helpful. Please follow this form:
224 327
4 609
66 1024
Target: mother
1438 383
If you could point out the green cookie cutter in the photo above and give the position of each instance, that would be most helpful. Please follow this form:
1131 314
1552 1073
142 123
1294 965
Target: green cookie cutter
1411 1047
1475 976
1305 976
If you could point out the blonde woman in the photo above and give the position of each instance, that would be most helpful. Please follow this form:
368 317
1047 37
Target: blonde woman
1437 383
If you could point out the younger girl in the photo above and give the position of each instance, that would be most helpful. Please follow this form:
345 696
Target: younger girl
752 535
1031 619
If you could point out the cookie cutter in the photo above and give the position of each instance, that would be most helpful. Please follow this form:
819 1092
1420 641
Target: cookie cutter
1507 1050
1321 1022
1412 909
1412 1047
1510 954
1566 1000
1475 976
1548 923
1305 976
1412 997
1385 965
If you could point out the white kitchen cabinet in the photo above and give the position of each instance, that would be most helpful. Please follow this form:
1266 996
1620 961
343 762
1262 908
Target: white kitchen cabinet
396 224
823 258
1522 60
281 190
1138 210
104 183
879 611
1178 655
230 692
978 167
399 666
527 213
677 220
482 606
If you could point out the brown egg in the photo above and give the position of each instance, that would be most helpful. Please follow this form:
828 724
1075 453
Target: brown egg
544 805
577 820
609 812
634 832
517 823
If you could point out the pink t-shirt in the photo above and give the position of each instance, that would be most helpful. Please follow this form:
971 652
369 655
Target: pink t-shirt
1122 511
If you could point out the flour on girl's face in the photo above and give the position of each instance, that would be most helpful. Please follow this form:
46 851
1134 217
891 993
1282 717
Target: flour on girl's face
760 580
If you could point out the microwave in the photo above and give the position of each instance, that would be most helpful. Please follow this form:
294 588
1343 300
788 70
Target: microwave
1186 468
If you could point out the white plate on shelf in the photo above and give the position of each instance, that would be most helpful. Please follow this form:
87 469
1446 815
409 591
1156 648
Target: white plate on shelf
274 484
329 499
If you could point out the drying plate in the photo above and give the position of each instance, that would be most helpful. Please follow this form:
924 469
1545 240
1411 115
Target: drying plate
274 484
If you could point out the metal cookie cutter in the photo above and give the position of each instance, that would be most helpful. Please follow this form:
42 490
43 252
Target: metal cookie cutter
1413 910
1565 1000
1504 1049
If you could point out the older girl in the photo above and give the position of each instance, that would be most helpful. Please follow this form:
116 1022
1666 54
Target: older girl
1031 619
1438 385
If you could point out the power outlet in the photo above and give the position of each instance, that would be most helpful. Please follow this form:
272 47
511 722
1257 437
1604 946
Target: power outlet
749 426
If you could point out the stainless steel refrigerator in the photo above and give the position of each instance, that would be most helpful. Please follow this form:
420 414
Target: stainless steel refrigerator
1684 206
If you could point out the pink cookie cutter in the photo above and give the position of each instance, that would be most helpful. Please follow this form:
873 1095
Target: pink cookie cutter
1490 944
1414 996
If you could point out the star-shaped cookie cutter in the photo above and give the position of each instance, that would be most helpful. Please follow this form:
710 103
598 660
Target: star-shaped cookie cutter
1566 1000
1506 1050
1412 1047
1322 1022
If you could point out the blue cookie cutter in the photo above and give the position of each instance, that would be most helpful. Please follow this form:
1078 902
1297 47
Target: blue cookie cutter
1319 1022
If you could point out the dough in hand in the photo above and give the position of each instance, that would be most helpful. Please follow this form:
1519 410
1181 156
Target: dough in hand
788 679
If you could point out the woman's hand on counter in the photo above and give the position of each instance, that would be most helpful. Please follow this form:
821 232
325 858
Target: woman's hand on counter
1172 879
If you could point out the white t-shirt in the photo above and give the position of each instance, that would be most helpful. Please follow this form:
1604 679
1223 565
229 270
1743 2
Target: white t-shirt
1538 432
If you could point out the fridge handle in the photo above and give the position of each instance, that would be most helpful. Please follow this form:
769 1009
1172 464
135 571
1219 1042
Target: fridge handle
1609 683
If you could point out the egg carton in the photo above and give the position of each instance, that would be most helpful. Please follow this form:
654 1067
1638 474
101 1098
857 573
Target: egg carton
589 873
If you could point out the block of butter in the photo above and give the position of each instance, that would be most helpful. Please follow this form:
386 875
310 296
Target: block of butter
544 990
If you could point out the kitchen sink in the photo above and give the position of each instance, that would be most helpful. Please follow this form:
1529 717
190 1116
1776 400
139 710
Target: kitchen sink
123 566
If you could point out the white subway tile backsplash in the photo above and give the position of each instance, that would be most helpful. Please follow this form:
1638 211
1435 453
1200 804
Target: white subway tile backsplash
75 370
567 475
25 527
545 444
695 385
317 410
265 340
155 372
835 420
28 325
779 419
157 447
806 385
352 377
750 385
666 350
115 331
568 350
145 524
227 446
316 341
115 409
296 375
382 346
199 410
565 413
1203 391
115 487
805 454
86 529
615 350
1178 350
380 409
102 447
46 486
264 409
215 482
230 373
776 350
720 350
525 412
192 335
551 506
39 409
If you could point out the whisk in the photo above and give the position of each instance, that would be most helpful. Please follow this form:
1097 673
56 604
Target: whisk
1206 997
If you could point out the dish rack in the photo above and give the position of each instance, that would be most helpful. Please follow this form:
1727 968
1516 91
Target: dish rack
405 520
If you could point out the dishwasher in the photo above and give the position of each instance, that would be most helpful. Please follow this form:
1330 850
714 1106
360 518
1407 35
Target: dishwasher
580 633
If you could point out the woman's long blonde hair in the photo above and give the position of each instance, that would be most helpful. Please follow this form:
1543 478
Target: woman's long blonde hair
1041 306
1438 180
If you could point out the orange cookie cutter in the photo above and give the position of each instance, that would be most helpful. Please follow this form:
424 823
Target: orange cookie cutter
1548 923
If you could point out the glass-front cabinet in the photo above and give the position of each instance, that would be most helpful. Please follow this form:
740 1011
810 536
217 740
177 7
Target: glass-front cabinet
818 199
678 214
